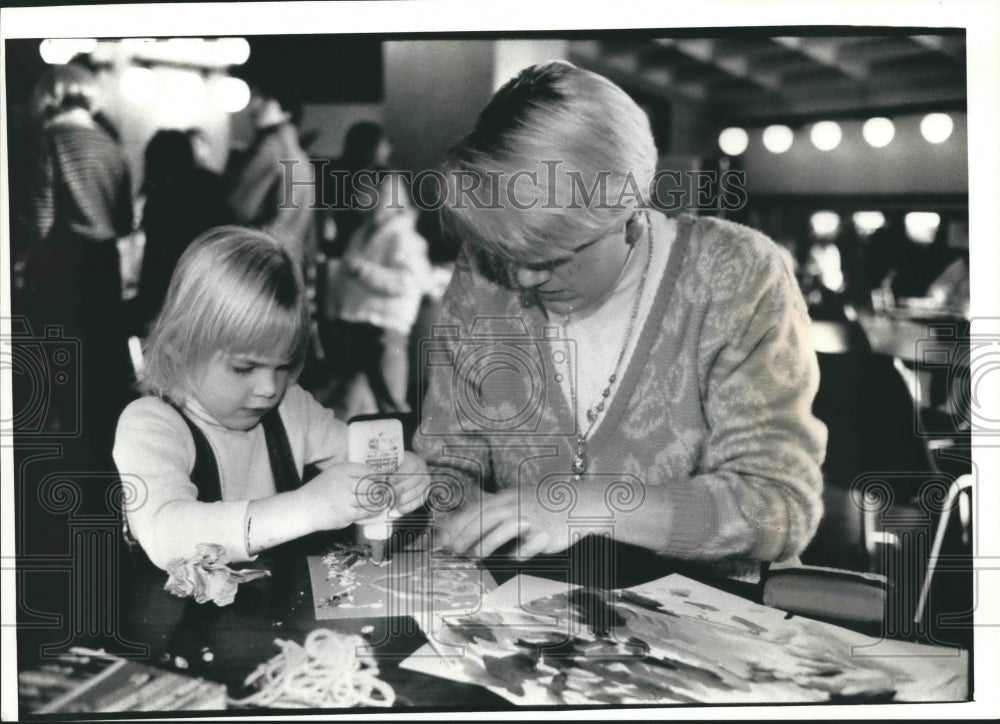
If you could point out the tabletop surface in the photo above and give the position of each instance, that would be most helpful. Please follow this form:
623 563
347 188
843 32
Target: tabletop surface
226 644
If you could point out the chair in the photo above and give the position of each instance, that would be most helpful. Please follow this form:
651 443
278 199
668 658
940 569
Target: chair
869 414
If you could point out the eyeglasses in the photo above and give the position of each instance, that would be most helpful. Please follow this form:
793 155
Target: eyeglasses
551 264
503 270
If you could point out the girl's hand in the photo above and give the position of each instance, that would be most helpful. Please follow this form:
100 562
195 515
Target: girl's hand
340 495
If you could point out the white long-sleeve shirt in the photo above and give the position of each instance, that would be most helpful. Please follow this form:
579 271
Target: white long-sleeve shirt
387 273
155 452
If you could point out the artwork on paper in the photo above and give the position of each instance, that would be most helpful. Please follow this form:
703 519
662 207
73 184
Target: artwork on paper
679 642
346 583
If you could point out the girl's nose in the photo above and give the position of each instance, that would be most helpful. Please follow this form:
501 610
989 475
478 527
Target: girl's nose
266 382
532 277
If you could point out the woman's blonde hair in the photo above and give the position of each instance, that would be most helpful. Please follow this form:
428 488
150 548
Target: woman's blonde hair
235 290
558 156
63 88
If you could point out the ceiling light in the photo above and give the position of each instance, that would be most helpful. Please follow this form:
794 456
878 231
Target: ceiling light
824 224
778 139
936 127
922 226
230 94
868 222
878 132
181 100
57 51
826 135
138 84
733 141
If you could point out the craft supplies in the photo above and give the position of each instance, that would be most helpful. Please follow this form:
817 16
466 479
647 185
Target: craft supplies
379 445
328 670
206 576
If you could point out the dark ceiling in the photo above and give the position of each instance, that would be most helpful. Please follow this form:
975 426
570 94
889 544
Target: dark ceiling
755 78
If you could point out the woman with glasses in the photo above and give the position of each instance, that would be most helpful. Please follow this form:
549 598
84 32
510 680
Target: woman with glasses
600 369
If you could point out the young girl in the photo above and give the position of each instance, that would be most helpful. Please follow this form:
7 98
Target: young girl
383 276
219 442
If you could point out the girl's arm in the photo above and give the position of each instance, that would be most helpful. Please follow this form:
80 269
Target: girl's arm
325 436
154 454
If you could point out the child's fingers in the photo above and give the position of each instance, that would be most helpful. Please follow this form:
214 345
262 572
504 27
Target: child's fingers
412 464
410 501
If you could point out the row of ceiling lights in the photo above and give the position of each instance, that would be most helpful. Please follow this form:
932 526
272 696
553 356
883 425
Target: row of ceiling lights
826 135
184 85
920 226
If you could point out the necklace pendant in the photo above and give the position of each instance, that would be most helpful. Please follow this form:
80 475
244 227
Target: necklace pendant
579 464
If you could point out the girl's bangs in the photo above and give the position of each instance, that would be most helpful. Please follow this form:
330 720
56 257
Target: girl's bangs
265 330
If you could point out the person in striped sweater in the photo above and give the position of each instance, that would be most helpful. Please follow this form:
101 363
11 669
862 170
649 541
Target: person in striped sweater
80 205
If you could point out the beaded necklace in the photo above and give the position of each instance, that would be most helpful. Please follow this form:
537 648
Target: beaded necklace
594 412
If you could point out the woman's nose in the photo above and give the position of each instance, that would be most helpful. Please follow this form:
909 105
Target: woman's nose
532 277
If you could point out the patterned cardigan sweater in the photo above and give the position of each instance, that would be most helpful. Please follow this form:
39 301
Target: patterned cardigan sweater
715 402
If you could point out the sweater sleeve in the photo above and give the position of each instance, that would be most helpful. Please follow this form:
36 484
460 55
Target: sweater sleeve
457 456
155 455
257 176
758 492
42 175
296 199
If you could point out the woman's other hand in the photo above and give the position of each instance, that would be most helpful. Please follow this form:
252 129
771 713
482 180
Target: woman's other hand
525 514
409 484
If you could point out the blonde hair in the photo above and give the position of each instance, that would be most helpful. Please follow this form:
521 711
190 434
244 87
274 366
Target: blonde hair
565 142
63 88
235 290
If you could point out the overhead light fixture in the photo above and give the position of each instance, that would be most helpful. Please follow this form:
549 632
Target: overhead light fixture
182 98
733 141
138 84
196 52
230 94
878 132
824 224
826 135
232 51
937 127
57 51
922 226
867 223
778 139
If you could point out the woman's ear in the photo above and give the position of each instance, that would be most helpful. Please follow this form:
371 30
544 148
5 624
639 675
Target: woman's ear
635 228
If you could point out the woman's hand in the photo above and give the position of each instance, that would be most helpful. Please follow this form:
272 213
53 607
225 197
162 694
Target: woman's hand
539 522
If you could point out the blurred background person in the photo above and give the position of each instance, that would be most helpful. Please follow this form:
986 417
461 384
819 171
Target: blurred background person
271 186
183 199
823 282
80 205
379 287
366 148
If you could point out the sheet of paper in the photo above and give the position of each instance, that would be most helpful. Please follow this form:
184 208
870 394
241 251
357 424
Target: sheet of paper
411 583
677 641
